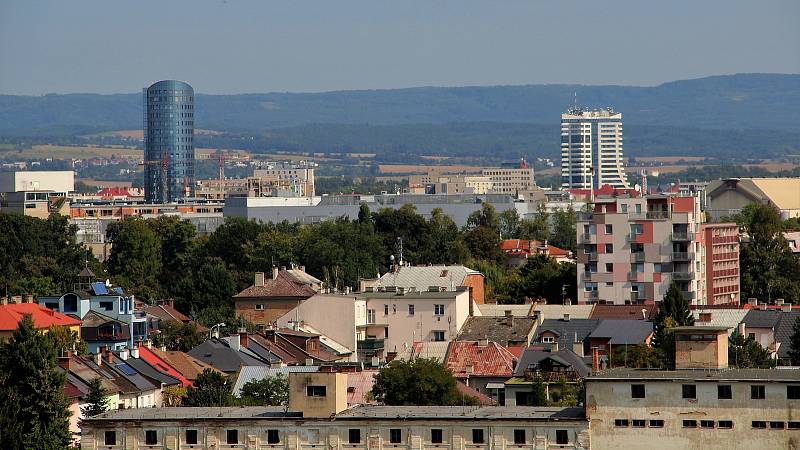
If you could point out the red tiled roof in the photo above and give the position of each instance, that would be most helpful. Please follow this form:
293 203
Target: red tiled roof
71 391
623 312
483 399
114 192
524 246
284 285
11 315
358 385
162 365
489 360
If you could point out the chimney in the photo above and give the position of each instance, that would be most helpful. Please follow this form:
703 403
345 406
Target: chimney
98 358
779 301
110 356
752 301
302 269
741 329
554 346
274 272
123 354
135 352
483 343
244 339
63 361
566 317
644 313
259 279
705 317
595 360
4 301
27 298
577 346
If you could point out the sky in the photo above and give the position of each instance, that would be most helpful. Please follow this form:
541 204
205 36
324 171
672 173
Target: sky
231 46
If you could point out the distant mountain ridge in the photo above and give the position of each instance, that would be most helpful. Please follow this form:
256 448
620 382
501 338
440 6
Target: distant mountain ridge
743 101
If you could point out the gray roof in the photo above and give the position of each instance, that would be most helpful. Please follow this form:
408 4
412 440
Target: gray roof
144 368
783 334
567 330
188 413
790 375
220 356
422 277
728 317
531 357
462 413
758 318
623 332
140 381
558 311
497 329
250 373
425 350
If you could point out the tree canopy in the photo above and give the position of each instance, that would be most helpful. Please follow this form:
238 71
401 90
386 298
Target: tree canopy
423 382
211 388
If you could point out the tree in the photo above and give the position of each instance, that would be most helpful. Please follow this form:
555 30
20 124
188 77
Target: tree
543 277
364 214
672 311
745 352
66 340
177 335
33 409
135 259
97 399
269 391
509 224
211 388
537 228
423 382
564 232
794 350
173 395
485 217
446 245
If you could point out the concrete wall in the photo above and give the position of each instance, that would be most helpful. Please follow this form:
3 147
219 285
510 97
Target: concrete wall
335 316
334 401
608 401
54 180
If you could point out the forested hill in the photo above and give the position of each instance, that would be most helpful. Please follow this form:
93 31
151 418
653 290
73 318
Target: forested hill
745 101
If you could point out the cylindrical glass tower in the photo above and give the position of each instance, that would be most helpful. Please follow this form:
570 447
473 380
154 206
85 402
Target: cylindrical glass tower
168 141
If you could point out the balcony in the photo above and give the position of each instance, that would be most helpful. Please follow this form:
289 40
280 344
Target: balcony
637 257
586 238
592 294
584 216
682 276
681 236
592 256
631 237
682 256
370 344
637 297
657 215
634 276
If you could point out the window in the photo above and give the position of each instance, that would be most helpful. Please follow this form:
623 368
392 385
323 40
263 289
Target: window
273 437
438 336
395 436
757 392
316 391
386 332
150 437
386 310
656 267
706 424
232 437
638 423
477 436
760 424
725 424
777 425
354 436
793 425
689 424
410 310
624 208
519 437
436 436
191 437
438 310
793 392
609 228
657 423
107 306
259 306
609 248
621 422
547 339
689 391
609 267
110 438
561 437
724 392
637 391
636 228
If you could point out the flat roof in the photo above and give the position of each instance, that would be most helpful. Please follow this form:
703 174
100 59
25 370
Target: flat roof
362 412
764 375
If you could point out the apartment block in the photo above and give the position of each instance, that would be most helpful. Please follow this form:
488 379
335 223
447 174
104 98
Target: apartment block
591 149
721 244
300 175
630 248
511 178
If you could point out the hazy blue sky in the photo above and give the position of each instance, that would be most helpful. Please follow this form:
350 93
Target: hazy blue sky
236 46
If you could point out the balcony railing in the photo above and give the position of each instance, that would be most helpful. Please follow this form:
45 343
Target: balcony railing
370 344
586 237
681 236
637 257
591 294
633 276
592 256
682 276
682 256
632 237
637 297
657 215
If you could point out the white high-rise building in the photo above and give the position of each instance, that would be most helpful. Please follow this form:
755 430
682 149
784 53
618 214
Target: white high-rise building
591 149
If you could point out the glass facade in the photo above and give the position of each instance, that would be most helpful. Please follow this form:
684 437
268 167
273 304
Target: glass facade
168 141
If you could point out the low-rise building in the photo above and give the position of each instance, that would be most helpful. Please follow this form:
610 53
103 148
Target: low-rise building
519 250
263 303
729 196
43 318
482 365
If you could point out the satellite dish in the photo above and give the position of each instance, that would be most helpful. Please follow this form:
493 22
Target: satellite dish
637 188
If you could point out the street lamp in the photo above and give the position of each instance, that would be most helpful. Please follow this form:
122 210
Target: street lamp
211 331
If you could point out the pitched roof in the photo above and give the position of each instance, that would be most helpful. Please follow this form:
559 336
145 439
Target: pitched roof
728 317
11 315
71 391
524 246
165 312
81 371
757 318
627 312
623 332
285 284
782 192
498 329
359 384
271 351
490 360
784 331
95 319
218 354
153 372
568 330
558 311
422 277
531 358
256 373
185 364
495 310
483 399
427 350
